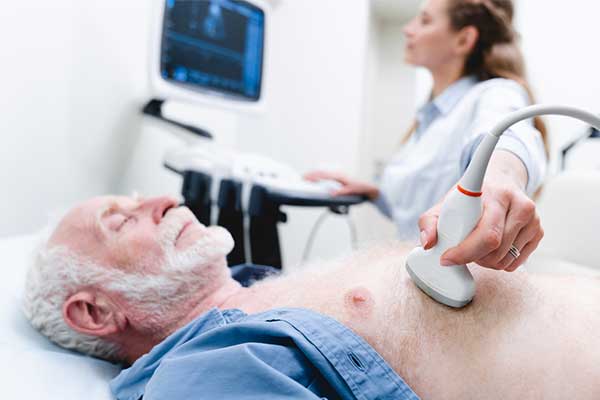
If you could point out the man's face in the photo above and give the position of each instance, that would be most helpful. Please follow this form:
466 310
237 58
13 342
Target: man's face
152 259
146 236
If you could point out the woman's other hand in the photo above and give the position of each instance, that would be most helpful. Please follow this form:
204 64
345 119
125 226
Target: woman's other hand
509 218
349 186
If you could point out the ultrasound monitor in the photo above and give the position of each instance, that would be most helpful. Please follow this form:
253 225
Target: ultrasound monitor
211 51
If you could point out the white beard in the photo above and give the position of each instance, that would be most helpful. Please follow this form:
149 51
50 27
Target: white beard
185 274
215 243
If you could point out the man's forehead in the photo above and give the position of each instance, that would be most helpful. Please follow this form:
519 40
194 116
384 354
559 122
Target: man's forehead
102 202
83 218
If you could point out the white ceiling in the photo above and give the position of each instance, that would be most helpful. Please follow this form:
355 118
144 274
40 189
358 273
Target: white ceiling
395 10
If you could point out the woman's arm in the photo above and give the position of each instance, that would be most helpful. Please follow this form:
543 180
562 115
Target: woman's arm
523 139
349 186
506 167
517 167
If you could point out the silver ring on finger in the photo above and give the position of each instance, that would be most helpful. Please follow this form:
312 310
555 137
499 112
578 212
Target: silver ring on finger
514 252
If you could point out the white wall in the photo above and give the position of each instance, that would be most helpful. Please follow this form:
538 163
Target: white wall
560 45
72 77
390 110
395 11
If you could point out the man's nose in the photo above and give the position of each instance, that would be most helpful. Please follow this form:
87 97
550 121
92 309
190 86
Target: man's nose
158 206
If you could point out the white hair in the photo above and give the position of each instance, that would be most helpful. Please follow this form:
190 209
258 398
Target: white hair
57 272
54 275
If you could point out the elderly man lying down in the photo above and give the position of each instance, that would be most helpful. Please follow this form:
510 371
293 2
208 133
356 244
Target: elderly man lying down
144 283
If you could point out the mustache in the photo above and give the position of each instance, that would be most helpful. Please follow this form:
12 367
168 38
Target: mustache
210 248
175 219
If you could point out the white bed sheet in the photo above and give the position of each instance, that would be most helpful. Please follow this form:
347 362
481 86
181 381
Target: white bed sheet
33 367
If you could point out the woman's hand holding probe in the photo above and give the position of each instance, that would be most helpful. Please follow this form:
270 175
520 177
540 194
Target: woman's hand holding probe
509 229
349 186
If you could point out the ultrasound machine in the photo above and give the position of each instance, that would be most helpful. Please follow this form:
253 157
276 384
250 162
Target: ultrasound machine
212 52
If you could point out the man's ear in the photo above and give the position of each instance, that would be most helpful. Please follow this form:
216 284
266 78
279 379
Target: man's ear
467 39
92 313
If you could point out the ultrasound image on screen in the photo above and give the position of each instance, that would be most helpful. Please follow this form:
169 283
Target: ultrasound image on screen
215 45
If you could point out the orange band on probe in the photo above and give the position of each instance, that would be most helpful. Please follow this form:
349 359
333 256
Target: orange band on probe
468 193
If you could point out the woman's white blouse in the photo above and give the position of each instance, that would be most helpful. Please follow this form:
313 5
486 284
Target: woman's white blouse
449 129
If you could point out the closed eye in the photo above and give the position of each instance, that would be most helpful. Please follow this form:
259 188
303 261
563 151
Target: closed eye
117 221
425 18
123 222
126 220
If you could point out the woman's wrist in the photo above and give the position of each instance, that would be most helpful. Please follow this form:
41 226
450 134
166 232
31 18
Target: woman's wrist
506 169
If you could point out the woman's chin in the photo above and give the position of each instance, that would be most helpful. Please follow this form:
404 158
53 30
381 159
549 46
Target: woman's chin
409 59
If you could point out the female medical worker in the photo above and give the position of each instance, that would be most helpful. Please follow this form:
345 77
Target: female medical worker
470 48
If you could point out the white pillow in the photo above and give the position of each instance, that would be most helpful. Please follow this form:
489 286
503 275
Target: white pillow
32 367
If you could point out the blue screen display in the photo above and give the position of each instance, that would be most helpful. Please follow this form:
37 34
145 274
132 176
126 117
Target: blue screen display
214 45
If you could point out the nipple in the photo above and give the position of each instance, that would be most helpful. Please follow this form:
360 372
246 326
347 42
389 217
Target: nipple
359 300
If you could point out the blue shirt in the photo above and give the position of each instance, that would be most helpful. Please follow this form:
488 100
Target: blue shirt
450 127
283 353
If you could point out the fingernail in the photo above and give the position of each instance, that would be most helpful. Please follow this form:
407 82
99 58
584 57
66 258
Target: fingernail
446 262
423 238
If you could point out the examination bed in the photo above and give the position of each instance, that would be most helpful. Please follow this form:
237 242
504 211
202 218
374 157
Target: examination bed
34 368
